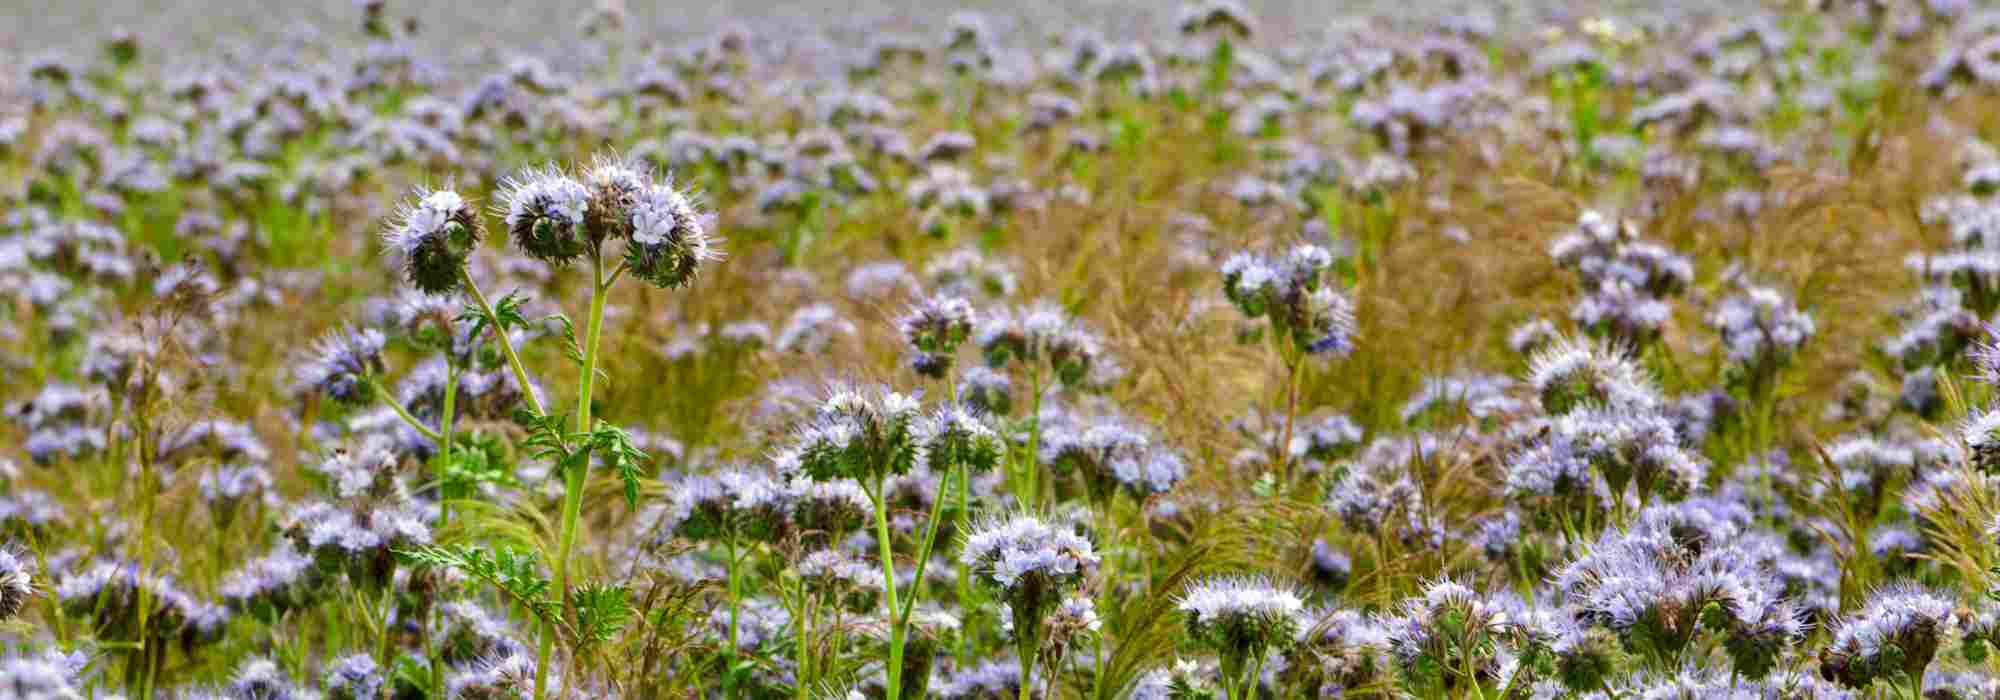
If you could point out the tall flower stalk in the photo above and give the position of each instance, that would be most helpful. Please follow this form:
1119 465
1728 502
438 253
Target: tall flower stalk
871 436
619 218
1034 565
1307 317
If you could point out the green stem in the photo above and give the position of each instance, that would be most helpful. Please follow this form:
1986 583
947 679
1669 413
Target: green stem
1297 372
575 474
735 608
146 497
385 609
1032 474
506 347
1025 649
435 656
924 550
964 571
802 623
444 446
894 672
382 394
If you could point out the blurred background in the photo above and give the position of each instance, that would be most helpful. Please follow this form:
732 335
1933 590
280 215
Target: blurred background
33 26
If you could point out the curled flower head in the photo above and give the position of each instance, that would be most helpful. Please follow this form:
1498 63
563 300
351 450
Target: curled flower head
668 243
1448 632
1294 294
1241 618
1570 372
434 236
1043 332
1342 650
261 678
353 677
1981 433
731 504
1033 564
1110 455
545 210
268 586
1031 560
511 675
341 364
616 188
854 582
953 436
935 327
987 390
1219 18
17 583
50 674
861 435
1761 329
1896 633
825 510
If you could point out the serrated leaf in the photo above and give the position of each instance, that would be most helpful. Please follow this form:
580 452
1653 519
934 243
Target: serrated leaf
614 446
602 611
571 348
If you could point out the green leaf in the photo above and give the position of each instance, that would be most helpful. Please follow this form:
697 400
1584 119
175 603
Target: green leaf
613 445
517 575
571 348
509 311
475 464
602 611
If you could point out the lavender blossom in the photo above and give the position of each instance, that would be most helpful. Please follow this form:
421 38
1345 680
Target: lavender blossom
1892 638
434 236
342 364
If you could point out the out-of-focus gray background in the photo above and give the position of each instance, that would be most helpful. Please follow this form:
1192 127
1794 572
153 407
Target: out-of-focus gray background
32 26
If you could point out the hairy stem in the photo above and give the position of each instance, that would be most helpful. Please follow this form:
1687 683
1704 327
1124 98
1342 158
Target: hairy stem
802 625
1032 473
894 671
506 345
382 394
1025 649
444 445
385 608
576 473
146 498
964 570
735 609
1297 369
924 550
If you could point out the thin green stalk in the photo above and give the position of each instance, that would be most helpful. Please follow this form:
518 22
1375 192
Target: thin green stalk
1025 649
1032 474
1296 367
802 646
382 394
964 655
964 570
1471 673
735 609
146 492
384 610
894 672
924 550
444 446
431 651
574 475
55 607
506 347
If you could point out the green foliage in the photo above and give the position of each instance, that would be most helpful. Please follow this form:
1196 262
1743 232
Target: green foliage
614 447
602 612
516 576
